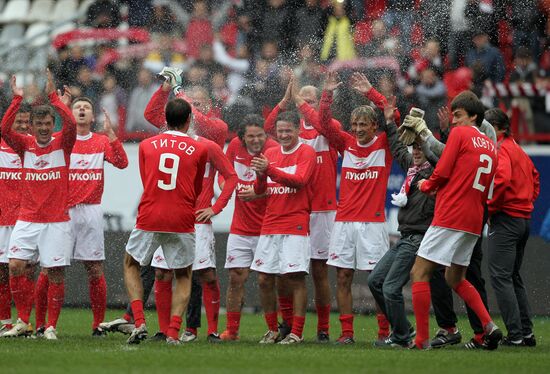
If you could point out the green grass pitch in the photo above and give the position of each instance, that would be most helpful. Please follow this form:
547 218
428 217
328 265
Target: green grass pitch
77 352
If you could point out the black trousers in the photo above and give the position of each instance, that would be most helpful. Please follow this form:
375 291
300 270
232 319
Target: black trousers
507 239
193 315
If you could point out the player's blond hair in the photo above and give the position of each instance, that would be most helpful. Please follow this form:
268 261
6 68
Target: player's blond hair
364 111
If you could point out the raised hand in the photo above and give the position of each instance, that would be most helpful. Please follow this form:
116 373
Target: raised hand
360 82
66 96
17 91
50 85
108 126
444 116
389 109
283 104
332 81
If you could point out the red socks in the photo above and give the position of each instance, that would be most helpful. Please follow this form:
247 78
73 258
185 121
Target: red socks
5 301
41 299
421 298
271 320
129 318
163 301
211 300
298 325
21 291
98 299
137 311
233 322
286 307
346 320
323 316
383 326
174 326
470 295
56 296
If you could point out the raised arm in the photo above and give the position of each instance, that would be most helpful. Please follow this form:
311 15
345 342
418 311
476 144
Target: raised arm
154 111
325 125
361 83
270 121
13 139
398 150
114 151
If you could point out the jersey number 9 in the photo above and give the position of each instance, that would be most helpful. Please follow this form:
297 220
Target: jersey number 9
170 170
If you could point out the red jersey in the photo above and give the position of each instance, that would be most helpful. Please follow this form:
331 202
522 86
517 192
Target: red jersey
248 215
462 180
172 166
517 184
365 170
324 179
216 161
287 184
10 184
45 177
86 170
208 127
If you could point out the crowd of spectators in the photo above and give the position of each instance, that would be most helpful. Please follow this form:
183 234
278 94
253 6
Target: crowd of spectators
244 51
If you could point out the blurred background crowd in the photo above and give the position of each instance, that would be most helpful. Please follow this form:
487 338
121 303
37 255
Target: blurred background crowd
243 52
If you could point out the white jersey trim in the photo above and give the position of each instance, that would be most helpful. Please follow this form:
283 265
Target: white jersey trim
55 159
319 143
244 172
86 161
10 160
375 159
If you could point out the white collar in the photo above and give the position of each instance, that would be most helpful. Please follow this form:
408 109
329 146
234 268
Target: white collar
369 143
292 150
84 137
176 133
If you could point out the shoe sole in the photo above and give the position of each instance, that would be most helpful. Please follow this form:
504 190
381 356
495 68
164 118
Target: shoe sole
492 340
137 339
446 344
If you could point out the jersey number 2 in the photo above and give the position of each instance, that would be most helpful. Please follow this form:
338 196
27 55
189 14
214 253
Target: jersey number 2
482 170
172 171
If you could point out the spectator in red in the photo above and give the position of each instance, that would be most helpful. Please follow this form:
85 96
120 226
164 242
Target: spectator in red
199 30
430 58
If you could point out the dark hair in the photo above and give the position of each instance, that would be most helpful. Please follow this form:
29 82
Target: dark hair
499 119
468 101
291 117
25 108
177 113
42 111
83 98
250 120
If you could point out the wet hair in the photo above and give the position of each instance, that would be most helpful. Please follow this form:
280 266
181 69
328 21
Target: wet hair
83 98
468 101
291 117
365 111
25 108
41 111
499 119
177 113
250 120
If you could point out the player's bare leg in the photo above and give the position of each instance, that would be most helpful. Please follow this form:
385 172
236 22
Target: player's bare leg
344 279
5 299
319 273
98 294
455 275
297 285
268 299
235 299
211 301
21 291
286 307
180 300
163 301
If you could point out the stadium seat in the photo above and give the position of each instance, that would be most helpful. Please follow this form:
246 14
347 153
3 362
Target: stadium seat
63 28
11 33
35 29
64 9
83 8
15 11
40 11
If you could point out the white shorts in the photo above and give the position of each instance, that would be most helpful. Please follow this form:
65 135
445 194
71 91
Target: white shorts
5 234
240 250
205 247
51 242
281 254
87 224
178 248
320 228
445 246
358 245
